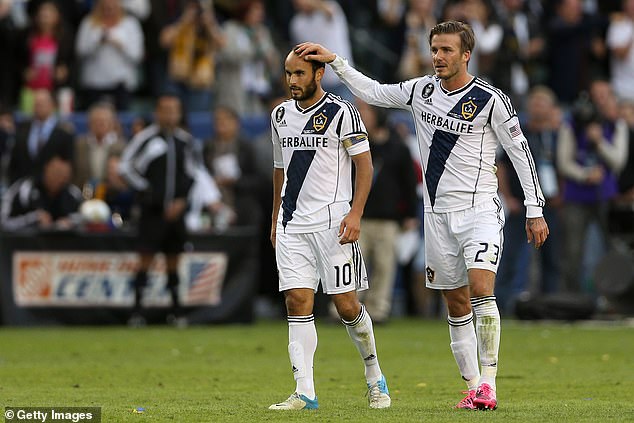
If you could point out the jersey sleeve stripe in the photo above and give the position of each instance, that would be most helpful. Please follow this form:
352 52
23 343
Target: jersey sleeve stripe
339 126
411 95
354 114
505 100
274 128
531 165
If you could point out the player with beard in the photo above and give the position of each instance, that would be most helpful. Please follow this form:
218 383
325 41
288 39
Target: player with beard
317 137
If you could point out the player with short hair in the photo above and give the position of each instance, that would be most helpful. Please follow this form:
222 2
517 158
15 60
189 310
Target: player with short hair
317 137
459 119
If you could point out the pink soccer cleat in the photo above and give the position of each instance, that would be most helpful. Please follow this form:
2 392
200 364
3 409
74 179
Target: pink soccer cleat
485 398
467 402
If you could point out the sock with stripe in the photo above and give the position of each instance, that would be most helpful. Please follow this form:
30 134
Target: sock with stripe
488 332
302 344
362 334
464 346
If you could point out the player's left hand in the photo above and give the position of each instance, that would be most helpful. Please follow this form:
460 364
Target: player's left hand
349 229
537 231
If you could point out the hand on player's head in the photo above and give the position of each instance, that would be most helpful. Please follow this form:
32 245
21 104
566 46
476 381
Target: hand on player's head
314 51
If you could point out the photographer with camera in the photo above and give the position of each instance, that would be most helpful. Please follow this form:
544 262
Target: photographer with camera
192 42
591 151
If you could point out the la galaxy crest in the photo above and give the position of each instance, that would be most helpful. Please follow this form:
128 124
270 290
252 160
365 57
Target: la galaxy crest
468 109
319 121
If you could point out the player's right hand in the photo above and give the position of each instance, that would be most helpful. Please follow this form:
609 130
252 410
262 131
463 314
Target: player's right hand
314 51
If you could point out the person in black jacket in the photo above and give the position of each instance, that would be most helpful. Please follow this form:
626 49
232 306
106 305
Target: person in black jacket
39 139
48 201
158 164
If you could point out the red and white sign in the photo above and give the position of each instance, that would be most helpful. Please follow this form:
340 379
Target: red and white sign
105 279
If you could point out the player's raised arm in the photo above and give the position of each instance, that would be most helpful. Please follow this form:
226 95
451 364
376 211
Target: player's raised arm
367 89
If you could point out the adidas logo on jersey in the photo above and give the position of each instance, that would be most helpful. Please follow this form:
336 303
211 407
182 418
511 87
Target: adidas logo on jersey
283 123
428 101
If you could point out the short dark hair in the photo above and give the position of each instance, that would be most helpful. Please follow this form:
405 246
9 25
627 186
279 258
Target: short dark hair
467 38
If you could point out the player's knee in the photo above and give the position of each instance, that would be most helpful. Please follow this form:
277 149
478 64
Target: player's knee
348 309
298 303
458 302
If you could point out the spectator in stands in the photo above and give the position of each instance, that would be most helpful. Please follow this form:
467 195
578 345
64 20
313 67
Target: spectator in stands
39 139
591 150
9 69
47 53
93 148
323 22
231 161
515 64
541 127
192 42
109 49
7 138
379 35
574 49
249 61
162 14
390 208
140 9
113 189
71 10
626 178
482 18
158 163
620 41
46 201
416 57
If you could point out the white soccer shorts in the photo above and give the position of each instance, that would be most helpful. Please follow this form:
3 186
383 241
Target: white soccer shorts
305 260
462 240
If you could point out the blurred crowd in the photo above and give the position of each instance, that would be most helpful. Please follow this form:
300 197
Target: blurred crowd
568 66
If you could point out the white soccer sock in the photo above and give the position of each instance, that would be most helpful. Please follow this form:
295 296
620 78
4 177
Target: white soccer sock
464 346
302 344
362 334
488 330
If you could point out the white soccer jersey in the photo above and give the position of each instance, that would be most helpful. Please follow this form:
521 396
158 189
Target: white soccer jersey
314 146
458 132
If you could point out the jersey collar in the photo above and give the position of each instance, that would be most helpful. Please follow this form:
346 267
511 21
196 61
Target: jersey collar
314 106
459 90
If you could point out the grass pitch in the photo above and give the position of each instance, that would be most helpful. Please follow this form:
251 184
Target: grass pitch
548 373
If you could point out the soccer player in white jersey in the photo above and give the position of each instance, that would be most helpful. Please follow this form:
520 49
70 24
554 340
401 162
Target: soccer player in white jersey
317 137
459 121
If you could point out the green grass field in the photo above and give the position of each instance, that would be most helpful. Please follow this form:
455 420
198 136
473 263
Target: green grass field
548 373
